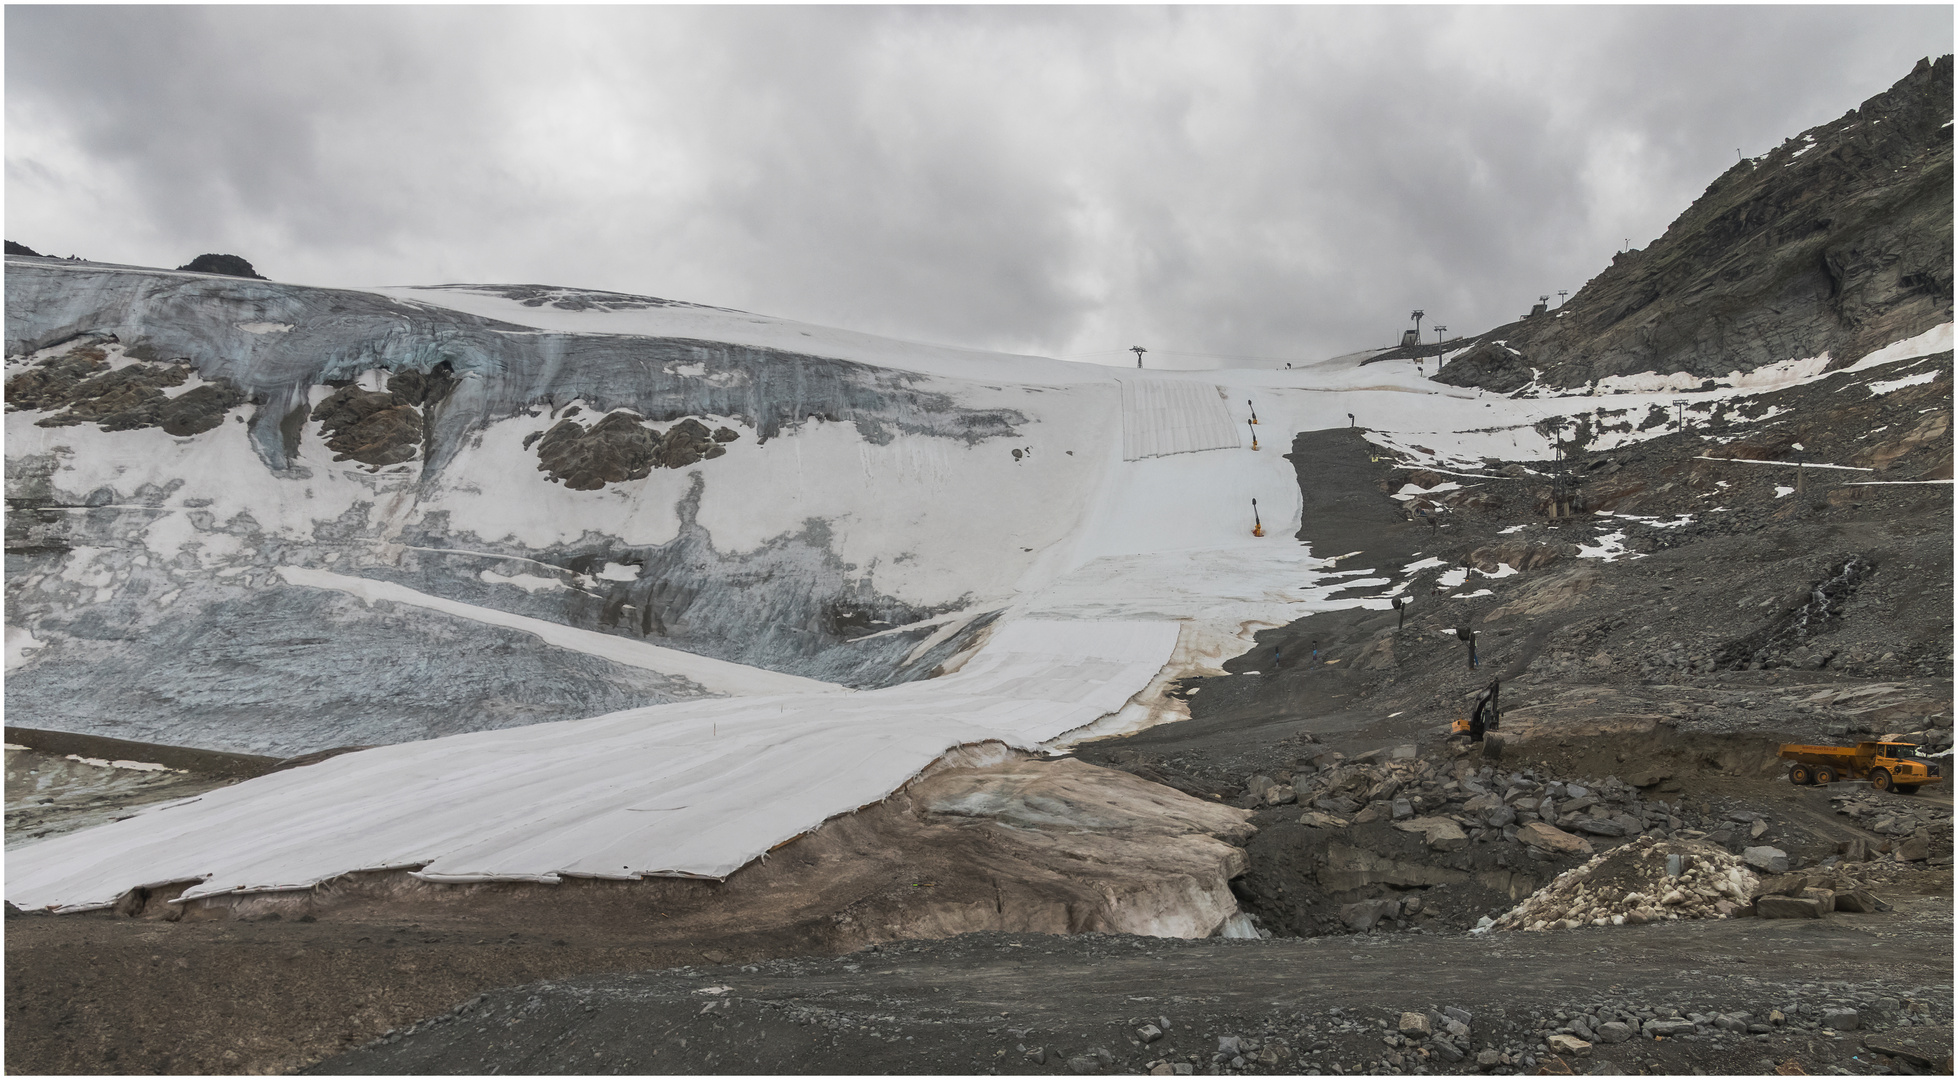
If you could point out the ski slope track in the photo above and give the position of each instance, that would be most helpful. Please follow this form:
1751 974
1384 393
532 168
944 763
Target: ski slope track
891 550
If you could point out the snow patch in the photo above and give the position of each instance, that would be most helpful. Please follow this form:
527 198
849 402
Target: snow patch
527 582
1918 379
20 642
1935 340
120 763
1610 548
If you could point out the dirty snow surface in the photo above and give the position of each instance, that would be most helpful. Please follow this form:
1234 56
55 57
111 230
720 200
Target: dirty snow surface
405 528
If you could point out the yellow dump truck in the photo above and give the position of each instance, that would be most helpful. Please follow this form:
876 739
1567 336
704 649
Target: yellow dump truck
1889 766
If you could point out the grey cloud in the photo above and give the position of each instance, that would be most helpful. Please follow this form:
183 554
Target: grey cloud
1242 181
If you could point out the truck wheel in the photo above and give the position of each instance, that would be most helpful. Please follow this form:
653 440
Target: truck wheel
1824 774
1906 789
1800 774
1880 779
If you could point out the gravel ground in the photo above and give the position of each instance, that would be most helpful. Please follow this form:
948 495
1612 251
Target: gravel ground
997 1003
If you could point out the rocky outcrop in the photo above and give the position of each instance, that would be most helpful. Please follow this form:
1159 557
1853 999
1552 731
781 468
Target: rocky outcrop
1490 364
81 384
620 447
1838 241
229 265
369 427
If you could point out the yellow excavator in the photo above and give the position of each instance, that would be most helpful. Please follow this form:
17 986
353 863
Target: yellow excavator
1484 717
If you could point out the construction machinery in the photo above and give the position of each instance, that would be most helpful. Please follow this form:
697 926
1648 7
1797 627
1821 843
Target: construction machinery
1485 716
1888 766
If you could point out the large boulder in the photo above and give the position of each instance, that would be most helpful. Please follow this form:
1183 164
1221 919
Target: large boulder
1771 860
1367 914
1440 834
1787 907
1546 837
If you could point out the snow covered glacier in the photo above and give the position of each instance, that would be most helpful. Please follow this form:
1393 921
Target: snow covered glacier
278 519
212 479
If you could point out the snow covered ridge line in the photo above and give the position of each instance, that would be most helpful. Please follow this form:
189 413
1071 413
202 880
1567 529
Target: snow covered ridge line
660 791
713 676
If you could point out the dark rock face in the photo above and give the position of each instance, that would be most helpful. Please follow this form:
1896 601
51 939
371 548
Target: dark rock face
231 265
688 442
614 449
1837 241
79 383
1490 364
383 427
198 410
620 447
367 426
21 249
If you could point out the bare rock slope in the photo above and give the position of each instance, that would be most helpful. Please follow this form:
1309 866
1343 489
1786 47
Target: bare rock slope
1837 241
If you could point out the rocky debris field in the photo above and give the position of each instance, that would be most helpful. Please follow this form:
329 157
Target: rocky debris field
1392 841
1730 996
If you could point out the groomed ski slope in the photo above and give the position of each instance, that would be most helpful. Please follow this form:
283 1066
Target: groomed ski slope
1143 567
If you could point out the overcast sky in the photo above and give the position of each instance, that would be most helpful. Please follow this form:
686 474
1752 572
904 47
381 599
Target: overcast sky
1270 182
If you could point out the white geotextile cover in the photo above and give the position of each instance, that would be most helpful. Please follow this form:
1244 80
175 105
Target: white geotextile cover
696 788
1162 416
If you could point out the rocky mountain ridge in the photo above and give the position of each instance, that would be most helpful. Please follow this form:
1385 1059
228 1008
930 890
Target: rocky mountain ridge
1838 241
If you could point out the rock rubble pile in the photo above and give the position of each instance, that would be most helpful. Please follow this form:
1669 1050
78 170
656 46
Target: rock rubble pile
1901 816
1642 882
1454 805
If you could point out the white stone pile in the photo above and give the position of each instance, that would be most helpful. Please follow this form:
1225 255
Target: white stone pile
1642 882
